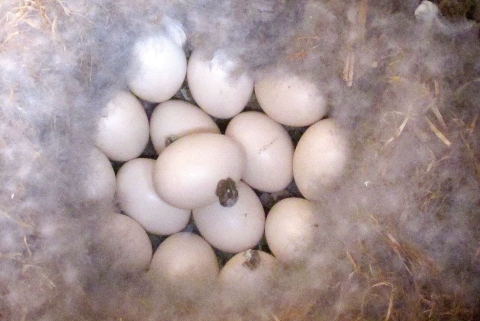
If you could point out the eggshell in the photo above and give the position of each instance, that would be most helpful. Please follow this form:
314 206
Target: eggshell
236 228
268 148
184 261
217 86
123 244
320 158
100 178
290 100
157 68
176 118
290 228
123 128
138 199
187 172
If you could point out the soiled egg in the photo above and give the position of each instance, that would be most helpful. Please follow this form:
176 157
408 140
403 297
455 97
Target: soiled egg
290 99
249 274
217 85
320 158
188 171
123 128
173 119
138 199
269 150
157 68
236 228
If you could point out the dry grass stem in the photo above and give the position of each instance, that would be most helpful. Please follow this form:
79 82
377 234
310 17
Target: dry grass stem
21 223
12 256
274 316
409 254
464 86
473 157
39 271
26 246
358 30
400 128
362 19
308 43
352 261
438 115
390 301
437 132
435 162
349 68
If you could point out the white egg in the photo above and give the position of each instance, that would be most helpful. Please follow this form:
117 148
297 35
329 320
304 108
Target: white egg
138 199
427 12
188 171
290 99
123 128
123 244
173 119
320 158
217 85
290 228
236 228
249 274
100 178
185 261
157 68
269 150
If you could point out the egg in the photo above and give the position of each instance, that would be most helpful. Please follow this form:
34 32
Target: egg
320 158
290 99
268 148
138 199
188 171
249 274
184 261
427 12
157 68
217 85
173 119
236 228
122 244
100 179
290 229
123 128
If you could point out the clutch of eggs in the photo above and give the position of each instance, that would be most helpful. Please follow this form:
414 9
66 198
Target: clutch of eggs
201 171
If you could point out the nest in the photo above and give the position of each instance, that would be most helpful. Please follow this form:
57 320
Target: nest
393 250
